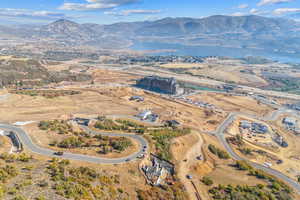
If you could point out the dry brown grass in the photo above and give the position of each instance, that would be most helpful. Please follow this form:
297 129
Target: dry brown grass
103 101
234 103
180 65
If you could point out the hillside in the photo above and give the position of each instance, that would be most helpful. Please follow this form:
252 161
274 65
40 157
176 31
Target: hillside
27 72
250 32
219 24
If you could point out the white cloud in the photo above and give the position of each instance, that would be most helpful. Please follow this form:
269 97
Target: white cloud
254 11
96 4
243 6
83 6
23 13
132 12
119 2
281 11
271 2
238 14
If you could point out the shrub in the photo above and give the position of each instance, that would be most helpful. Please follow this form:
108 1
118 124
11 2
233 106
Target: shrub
24 158
220 153
58 126
207 181
243 165
7 173
40 198
162 138
246 151
71 142
43 183
121 144
19 197
2 191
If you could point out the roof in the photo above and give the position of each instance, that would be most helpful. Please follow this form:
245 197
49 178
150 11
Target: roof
173 122
145 113
289 120
137 97
245 123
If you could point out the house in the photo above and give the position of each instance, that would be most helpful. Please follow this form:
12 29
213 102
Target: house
297 131
153 117
82 121
259 128
16 141
229 87
145 114
158 170
245 124
280 141
295 106
290 121
172 123
136 98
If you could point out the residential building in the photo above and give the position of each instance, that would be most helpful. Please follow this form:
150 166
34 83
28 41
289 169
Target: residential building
145 114
289 121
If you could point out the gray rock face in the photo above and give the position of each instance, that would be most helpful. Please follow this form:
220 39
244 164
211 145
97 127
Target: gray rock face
159 84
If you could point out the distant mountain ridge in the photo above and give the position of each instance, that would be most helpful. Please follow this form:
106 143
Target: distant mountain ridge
238 31
182 26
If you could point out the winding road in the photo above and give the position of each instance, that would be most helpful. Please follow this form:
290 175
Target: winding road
26 141
143 144
220 134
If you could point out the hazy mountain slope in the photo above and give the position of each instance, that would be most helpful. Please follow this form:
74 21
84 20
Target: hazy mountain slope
241 32
218 24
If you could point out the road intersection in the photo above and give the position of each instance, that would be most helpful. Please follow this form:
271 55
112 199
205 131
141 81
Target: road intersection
143 144
220 134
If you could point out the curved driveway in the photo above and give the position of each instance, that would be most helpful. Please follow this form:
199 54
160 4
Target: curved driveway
26 141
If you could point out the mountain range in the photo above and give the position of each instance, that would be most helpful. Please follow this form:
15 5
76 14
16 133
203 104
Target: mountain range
256 32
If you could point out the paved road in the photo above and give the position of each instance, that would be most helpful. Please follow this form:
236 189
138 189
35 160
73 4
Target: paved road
26 141
4 97
220 134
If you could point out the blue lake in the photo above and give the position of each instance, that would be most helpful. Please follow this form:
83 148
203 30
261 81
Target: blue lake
183 50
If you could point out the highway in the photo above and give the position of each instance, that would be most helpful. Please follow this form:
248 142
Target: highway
26 141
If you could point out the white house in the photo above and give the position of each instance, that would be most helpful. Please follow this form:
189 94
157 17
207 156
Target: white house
145 114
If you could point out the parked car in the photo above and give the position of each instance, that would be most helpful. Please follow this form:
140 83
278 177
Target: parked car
141 156
188 176
199 157
59 153
279 162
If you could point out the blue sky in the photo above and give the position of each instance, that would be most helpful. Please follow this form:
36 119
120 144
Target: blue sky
110 11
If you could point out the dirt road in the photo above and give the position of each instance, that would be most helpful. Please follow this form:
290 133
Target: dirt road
189 160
